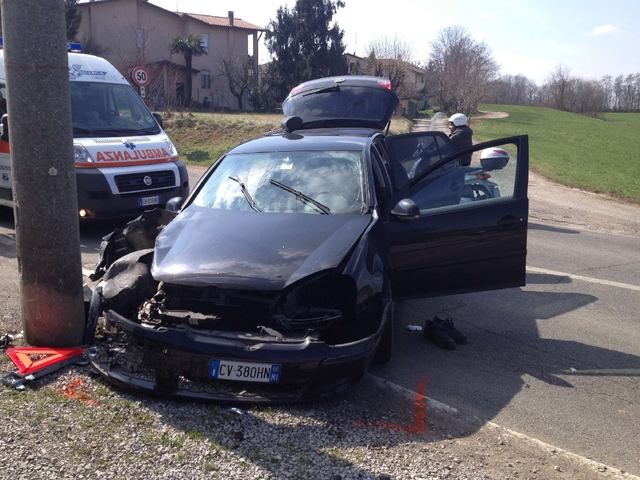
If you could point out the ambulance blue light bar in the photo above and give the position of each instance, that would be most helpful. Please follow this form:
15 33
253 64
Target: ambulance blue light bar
71 47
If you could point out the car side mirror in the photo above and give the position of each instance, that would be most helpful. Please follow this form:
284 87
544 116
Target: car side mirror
406 209
158 118
4 128
174 205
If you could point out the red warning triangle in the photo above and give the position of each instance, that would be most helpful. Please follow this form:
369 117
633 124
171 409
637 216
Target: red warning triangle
31 359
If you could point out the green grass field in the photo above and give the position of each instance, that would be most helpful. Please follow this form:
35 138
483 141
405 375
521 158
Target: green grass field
201 138
600 155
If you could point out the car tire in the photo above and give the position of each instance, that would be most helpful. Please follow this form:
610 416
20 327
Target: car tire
385 347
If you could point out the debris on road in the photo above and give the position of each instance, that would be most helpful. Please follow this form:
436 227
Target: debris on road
6 340
33 363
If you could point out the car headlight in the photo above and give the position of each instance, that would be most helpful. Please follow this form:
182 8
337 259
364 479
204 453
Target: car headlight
318 303
81 155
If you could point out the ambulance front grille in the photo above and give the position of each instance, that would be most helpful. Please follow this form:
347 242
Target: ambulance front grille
135 182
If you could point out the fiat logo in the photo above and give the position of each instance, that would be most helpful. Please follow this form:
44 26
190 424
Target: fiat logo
147 180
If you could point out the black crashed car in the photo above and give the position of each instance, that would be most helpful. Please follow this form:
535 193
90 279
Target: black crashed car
275 280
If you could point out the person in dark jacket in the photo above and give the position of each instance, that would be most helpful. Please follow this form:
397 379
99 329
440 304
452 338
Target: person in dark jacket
461 135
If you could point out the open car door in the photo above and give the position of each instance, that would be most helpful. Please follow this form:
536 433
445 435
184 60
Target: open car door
455 229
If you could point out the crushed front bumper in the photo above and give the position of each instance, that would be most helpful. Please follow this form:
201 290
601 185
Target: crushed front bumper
176 363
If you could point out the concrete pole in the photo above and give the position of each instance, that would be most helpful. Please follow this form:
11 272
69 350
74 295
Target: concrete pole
43 171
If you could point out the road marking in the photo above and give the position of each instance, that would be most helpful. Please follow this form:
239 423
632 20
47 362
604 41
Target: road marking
597 466
419 416
409 394
617 372
584 279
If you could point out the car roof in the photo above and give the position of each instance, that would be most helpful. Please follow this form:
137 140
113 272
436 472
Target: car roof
317 139
84 68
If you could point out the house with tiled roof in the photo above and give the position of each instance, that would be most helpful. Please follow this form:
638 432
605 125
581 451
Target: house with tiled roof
412 92
133 33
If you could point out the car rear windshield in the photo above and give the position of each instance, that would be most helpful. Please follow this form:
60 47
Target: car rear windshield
358 104
286 182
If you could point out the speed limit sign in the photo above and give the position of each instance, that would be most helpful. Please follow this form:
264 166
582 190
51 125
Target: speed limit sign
140 76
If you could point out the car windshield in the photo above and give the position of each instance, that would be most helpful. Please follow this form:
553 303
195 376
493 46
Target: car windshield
109 110
287 182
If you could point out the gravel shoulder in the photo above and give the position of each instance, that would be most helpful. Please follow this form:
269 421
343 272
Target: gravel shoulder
71 425
558 205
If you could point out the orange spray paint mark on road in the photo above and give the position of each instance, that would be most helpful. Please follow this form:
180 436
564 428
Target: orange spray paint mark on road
419 416
81 395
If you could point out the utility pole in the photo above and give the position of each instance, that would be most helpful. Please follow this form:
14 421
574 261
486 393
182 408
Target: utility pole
43 171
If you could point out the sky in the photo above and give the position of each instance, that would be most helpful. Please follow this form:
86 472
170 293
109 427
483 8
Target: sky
590 38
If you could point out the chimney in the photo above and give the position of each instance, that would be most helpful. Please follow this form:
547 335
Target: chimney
231 18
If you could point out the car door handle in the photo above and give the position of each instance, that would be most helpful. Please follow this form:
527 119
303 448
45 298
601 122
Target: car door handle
509 220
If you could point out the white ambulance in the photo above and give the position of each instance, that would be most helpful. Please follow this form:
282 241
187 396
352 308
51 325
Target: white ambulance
125 163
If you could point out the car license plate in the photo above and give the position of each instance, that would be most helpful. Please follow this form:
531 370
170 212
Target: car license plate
146 201
245 371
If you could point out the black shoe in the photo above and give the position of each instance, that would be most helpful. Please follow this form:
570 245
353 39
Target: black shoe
435 332
447 324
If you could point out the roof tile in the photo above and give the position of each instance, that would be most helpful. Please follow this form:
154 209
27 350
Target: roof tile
223 21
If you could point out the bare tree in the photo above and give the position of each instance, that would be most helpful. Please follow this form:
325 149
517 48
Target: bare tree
590 97
572 94
617 92
607 88
559 87
238 75
461 70
514 90
630 92
563 91
390 57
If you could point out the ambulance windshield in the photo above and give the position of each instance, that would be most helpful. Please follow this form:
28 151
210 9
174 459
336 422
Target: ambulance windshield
103 109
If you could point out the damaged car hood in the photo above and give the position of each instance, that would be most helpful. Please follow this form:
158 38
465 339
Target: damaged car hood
250 250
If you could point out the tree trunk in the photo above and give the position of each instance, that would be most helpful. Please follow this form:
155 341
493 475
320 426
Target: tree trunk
187 100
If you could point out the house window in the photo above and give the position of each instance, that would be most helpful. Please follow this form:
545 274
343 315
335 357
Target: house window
205 79
205 42
140 34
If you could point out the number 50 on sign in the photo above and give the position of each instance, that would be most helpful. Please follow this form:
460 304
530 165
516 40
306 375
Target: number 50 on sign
140 76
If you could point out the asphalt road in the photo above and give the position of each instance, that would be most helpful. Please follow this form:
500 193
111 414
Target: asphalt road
557 360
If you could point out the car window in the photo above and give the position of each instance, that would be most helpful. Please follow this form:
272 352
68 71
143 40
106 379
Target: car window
286 182
445 146
413 153
490 177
